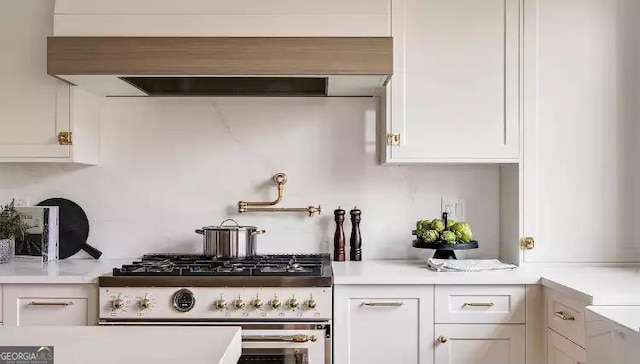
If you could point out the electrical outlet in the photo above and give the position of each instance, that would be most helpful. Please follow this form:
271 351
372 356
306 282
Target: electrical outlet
455 208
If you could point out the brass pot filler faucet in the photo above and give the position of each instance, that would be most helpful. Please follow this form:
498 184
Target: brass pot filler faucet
280 179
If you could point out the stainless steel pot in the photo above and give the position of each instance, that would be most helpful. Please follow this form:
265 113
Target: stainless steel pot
229 241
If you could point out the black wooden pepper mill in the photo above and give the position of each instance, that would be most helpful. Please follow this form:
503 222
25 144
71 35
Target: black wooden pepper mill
356 239
338 238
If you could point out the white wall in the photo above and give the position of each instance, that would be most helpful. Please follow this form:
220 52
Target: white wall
170 166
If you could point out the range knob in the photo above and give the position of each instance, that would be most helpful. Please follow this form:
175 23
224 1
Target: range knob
220 304
256 303
275 303
239 304
117 304
311 304
144 303
293 303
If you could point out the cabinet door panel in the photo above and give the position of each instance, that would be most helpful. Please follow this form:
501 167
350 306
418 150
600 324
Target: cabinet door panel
395 328
562 351
382 324
34 106
455 83
580 121
479 344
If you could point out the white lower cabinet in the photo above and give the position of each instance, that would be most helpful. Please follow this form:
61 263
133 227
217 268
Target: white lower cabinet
421 324
49 305
383 324
562 351
479 344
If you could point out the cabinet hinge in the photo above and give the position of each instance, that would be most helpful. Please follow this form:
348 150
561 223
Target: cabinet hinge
65 138
527 243
393 139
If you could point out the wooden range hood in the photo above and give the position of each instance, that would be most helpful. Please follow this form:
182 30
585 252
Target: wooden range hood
222 66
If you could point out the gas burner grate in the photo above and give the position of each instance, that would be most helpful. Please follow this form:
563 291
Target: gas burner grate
199 265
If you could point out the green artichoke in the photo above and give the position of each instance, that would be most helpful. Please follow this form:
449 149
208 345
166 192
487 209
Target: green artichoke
462 231
430 236
450 223
449 237
437 225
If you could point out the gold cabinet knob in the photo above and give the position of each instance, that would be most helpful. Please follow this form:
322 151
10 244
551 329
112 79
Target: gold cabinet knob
527 243
442 339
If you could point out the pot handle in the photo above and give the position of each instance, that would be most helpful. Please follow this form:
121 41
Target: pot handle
258 232
234 221
200 231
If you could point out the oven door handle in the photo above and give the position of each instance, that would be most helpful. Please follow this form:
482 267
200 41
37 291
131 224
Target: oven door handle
280 338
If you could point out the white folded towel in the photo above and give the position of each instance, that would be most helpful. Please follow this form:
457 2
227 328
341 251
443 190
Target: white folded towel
467 265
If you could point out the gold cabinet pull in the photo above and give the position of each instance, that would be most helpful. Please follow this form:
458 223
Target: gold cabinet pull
442 339
564 316
479 304
382 304
63 304
281 338
65 138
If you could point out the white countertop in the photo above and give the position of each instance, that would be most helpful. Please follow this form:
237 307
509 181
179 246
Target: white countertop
68 271
598 285
626 316
122 344
400 272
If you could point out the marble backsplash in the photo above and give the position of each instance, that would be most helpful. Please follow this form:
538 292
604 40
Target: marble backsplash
169 166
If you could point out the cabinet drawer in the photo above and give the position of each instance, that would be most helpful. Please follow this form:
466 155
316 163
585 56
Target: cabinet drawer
562 351
68 311
565 315
480 304
44 305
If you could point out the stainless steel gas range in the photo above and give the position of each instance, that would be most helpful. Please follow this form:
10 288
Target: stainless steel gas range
282 302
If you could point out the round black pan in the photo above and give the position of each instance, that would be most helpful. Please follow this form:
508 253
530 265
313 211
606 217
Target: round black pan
74 228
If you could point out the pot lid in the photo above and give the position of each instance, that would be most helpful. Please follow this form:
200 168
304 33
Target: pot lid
222 226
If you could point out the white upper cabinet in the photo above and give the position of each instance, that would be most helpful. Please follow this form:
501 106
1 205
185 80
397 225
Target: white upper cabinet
580 160
454 95
36 108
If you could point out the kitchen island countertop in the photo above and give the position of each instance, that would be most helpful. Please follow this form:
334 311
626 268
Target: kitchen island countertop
122 344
